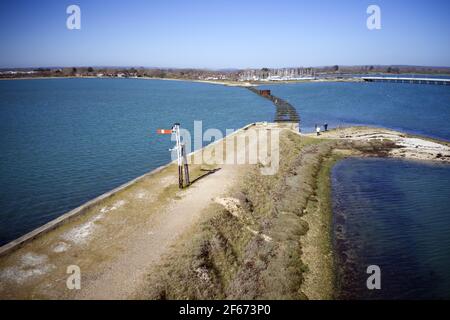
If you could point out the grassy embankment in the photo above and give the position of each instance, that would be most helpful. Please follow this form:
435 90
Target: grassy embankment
273 240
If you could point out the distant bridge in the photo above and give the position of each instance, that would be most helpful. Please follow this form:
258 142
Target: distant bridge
442 82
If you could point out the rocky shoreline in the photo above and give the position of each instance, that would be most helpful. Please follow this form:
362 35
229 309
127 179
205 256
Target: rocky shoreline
405 146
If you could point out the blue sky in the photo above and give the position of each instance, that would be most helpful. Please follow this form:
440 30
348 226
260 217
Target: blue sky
223 34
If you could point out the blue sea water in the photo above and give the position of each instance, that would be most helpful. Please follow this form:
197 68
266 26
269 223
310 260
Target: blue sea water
66 141
412 108
390 213
394 214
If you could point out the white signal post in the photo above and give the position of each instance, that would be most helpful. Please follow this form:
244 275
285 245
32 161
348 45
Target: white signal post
183 168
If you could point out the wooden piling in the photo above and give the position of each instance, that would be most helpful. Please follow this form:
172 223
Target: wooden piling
185 166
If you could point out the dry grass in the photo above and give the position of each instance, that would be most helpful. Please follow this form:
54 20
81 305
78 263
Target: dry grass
258 255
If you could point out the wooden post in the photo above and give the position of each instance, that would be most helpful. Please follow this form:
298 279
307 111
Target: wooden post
185 165
180 177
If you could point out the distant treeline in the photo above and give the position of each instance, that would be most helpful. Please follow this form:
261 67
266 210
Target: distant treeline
204 74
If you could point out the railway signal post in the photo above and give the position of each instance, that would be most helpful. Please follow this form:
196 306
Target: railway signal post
180 148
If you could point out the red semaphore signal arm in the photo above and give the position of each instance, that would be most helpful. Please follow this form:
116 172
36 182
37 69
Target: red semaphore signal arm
164 131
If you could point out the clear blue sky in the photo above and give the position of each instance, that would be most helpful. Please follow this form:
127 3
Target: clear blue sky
223 33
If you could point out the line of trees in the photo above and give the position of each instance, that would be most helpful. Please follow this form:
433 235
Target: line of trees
190 73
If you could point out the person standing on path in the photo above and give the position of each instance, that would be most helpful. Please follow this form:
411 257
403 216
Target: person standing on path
318 130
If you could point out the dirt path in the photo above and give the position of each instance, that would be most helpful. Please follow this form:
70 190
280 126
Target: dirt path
122 279
118 240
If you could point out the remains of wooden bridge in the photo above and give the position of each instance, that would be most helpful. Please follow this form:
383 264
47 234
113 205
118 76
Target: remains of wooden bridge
285 111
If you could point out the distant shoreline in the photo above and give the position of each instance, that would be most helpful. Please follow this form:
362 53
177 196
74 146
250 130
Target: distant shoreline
229 83
218 82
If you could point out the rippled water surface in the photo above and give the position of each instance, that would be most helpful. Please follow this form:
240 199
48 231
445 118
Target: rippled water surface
65 141
394 214
414 108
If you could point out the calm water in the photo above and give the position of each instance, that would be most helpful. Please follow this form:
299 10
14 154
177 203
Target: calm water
422 109
65 141
394 214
